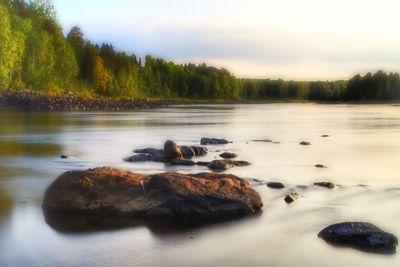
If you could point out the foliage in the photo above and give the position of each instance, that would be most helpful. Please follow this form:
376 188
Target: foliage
35 54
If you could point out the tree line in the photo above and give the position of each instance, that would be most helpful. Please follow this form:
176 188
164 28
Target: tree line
35 54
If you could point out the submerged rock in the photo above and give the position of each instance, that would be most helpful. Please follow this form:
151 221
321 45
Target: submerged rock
228 155
213 141
275 185
305 143
360 235
184 162
319 166
199 150
110 191
139 158
325 135
263 140
291 197
325 184
172 150
222 165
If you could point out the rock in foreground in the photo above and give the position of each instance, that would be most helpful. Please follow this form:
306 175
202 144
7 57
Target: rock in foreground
360 235
110 191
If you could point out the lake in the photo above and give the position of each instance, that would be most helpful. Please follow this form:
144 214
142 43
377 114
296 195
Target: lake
361 154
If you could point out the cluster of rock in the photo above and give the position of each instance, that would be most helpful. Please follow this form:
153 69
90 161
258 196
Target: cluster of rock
29 100
183 155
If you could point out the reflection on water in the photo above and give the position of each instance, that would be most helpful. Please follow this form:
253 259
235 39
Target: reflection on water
361 156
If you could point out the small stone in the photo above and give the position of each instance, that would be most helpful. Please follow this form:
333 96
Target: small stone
63 156
263 140
305 143
291 197
275 185
228 155
319 166
325 184
199 150
325 135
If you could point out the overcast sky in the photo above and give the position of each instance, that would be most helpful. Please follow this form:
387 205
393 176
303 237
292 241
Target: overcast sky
291 39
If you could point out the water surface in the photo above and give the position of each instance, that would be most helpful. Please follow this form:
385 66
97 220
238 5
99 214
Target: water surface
361 156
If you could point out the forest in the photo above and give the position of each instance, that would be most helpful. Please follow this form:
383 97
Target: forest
36 55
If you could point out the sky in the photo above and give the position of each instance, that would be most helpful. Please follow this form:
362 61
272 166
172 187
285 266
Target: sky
289 39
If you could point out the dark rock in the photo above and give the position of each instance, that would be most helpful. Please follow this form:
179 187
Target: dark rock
325 184
319 166
172 150
110 191
275 185
222 165
360 235
63 157
199 150
325 135
202 163
187 152
291 197
305 143
228 155
263 140
184 162
139 158
213 141
156 154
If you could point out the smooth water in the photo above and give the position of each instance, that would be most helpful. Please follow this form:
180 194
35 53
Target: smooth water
362 156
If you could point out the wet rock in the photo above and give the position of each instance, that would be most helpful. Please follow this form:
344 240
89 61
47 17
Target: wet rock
275 185
291 197
222 165
228 155
213 141
110 191
263 140
187 152
156 154
172 150
319 166
328 185
199 150
202 163
360 235
305 143
184 162
139 158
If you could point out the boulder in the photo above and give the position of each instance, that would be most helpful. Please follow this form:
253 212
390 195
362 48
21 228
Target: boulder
199 150
360 235
110 191
222 165
213 141
187 152
328 185
139 158
275 185
228 155
291 197
184 162
172 150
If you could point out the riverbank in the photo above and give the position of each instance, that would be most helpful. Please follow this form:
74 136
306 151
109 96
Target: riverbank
36 101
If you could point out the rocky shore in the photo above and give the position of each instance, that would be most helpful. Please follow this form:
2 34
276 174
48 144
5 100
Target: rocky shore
35 101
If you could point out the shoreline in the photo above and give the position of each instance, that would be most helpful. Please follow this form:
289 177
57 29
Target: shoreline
27 100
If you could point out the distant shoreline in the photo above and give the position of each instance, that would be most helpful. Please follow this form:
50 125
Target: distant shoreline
27 100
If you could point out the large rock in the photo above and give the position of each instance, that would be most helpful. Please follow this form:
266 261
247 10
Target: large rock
213 141
172 150
360 235
110 191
